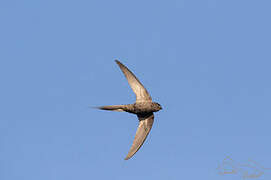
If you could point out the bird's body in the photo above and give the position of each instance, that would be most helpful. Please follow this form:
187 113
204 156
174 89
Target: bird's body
136 108
143 108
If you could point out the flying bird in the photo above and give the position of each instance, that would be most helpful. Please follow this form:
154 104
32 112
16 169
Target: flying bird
143 108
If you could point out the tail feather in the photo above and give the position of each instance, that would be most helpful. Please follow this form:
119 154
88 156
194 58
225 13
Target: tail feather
118 108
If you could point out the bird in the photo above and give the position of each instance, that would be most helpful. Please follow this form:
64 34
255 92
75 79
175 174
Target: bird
143 107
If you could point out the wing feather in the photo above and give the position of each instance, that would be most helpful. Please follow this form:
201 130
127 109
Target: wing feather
144 127
140 91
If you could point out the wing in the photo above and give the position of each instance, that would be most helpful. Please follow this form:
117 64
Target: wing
141 93
145 125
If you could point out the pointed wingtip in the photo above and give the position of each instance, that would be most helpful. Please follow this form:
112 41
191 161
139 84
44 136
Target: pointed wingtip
127 157
119 63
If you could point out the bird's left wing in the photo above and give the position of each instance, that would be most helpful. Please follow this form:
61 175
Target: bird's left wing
144 127
141 92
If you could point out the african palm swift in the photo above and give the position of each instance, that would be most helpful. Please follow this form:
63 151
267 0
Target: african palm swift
143 108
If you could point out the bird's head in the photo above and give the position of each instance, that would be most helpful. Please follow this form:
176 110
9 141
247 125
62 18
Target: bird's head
157 106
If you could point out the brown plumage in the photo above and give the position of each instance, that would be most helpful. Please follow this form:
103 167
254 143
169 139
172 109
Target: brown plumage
143 108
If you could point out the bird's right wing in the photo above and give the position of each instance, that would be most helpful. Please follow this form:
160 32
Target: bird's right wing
144 127
140 91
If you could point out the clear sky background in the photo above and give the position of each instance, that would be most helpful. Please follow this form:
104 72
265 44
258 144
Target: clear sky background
207 62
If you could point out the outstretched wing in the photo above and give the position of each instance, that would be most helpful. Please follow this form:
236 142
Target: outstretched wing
141 93
145 125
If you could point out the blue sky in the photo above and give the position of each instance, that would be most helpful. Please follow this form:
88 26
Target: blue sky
207 62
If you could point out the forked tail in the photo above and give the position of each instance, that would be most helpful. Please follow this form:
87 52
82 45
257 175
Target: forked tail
119 108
